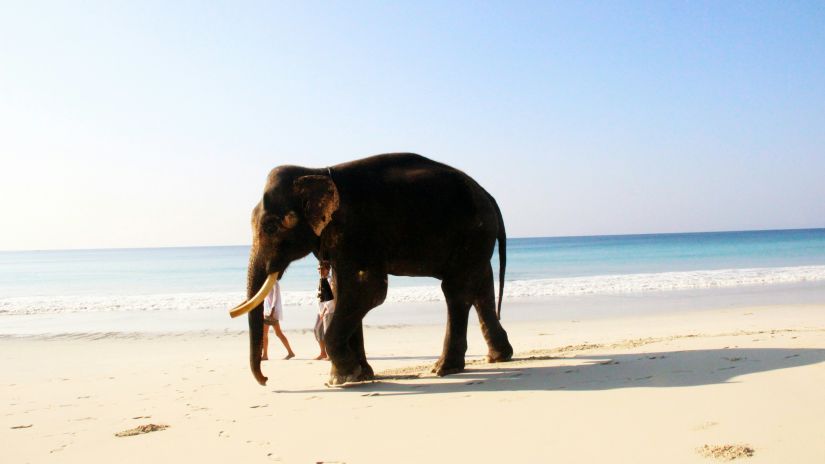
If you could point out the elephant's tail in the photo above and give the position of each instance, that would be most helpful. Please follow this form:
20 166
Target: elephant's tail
502 255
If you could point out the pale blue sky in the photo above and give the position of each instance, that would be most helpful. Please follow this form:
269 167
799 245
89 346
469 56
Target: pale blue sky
154 123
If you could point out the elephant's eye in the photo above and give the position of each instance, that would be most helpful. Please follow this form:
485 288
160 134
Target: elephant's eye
271 224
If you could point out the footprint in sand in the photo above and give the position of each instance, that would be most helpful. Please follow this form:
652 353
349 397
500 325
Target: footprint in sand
726 452
141 429
705 426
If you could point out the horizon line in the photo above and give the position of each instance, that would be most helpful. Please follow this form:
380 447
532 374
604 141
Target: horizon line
161 247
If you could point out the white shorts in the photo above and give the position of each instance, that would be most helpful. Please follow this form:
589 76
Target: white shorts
276 314
273 308
328 308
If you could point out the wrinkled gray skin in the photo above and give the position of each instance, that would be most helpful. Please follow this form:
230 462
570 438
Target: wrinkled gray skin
399 214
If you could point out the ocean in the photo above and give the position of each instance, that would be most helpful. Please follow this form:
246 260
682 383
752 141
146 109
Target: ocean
191 288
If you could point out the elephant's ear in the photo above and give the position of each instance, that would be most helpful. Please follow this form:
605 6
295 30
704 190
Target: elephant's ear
319 198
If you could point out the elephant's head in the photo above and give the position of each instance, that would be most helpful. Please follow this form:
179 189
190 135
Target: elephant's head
297 205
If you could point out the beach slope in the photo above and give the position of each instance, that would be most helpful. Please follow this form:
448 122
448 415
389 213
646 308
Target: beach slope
698 387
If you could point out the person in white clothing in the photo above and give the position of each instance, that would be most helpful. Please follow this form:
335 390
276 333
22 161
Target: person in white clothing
273 315
326 307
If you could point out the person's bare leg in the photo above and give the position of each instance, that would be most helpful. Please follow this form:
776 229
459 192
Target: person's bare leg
265 343
280 334
323 354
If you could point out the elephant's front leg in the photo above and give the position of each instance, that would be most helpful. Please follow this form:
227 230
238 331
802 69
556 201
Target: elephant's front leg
345 337
345 366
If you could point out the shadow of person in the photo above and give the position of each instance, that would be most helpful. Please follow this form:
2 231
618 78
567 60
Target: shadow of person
594 372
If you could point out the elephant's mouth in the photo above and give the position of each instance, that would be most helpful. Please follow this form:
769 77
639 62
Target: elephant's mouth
253 302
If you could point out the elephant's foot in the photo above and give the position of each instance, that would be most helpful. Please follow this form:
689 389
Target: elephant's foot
500 355
338 378
367 372
444 366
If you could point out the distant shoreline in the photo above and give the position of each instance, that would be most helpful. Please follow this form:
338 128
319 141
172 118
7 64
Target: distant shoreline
630 235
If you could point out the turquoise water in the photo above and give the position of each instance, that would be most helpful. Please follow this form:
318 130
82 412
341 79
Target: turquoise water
143 271
537 258
181 289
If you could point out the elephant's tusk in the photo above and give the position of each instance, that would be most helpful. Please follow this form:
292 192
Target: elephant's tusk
251 303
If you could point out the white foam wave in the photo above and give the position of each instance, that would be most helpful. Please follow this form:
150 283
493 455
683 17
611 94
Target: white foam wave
567 286
664 281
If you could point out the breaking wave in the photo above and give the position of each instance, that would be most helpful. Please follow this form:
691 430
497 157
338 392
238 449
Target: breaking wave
523 289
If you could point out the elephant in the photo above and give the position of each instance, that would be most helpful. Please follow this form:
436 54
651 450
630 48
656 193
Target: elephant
398 213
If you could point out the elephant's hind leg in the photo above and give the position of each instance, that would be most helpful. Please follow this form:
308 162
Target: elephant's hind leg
498 346
459 300
356 343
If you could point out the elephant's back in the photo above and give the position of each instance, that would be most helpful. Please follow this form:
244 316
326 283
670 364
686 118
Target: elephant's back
388 162
416 208
408 184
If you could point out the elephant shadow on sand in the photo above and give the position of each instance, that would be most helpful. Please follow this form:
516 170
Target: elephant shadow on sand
595 372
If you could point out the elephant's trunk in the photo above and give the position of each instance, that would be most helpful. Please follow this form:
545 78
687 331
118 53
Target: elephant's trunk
255 280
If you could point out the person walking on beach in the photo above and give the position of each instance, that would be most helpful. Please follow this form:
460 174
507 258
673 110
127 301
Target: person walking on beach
326 307
273 315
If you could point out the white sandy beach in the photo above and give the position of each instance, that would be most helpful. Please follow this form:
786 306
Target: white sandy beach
647 388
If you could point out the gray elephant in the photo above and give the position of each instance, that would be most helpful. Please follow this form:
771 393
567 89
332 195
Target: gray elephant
399 214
